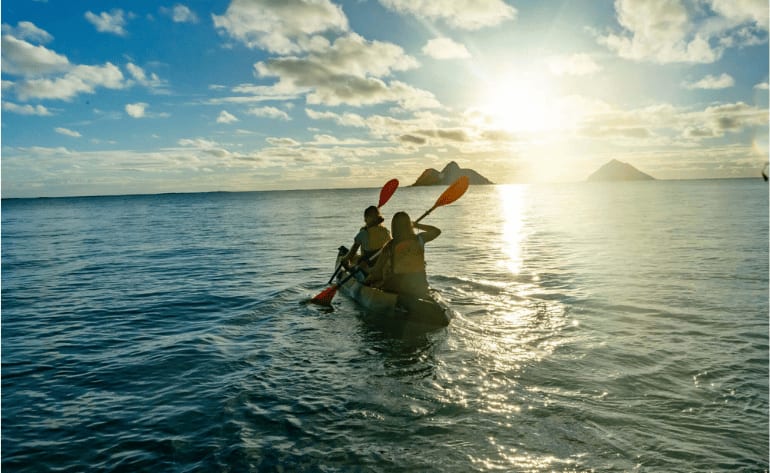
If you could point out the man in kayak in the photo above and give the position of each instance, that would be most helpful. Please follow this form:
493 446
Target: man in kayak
401 266
369 239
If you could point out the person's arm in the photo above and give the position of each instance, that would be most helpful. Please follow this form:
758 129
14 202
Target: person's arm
352 252
356 244
429 232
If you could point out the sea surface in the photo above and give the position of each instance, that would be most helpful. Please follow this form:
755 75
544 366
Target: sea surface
598 327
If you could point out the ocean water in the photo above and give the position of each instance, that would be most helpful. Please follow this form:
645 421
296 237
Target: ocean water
599 327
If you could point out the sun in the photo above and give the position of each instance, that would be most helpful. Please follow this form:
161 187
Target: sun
517 105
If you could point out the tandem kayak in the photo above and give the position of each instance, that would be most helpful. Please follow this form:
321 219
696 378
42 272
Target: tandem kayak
429 311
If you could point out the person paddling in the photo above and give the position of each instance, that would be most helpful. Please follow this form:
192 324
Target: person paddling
401 267
369 239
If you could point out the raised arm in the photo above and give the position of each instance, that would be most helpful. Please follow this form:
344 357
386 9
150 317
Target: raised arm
429 232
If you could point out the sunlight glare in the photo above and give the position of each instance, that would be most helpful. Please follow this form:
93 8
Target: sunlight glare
512 199
519 105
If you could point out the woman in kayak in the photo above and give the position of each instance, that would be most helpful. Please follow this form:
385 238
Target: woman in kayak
401 267
369 239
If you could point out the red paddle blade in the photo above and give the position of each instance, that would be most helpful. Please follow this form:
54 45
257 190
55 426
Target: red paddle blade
387 191
325 297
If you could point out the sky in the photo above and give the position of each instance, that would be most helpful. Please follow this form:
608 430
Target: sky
107 97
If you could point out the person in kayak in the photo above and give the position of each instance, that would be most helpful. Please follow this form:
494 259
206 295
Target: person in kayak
372 236
401 267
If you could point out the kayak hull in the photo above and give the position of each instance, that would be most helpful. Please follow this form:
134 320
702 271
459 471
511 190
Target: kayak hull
429 311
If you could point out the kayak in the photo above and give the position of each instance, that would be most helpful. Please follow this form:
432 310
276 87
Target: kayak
430 311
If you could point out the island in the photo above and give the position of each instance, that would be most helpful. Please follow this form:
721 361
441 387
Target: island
619 171
448 175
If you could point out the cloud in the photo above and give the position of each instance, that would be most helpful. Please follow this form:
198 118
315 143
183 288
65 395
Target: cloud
80 79
152 81
666 31
22 58
658 31
573 65
711 82
28 31
762 86
226 117
743 11
411 139
345 119
667 124
348 72
282 141
38 110
113 22
180 14
462 14
46 74
136 110
67 132
445 48
283 27
329 140
269 112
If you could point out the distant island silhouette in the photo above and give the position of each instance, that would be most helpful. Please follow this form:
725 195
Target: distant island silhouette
619 171
448 175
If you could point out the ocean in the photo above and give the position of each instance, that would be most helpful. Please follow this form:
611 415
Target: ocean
605 327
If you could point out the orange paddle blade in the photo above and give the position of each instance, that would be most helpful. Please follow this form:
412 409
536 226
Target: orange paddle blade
454 192
387 191
325 297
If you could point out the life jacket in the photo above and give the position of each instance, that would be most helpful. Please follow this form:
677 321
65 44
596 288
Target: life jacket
408 256
378 237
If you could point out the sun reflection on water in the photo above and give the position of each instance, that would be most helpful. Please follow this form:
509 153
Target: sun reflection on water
512 200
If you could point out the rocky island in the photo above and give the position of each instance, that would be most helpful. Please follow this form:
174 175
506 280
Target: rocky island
619 171
448 175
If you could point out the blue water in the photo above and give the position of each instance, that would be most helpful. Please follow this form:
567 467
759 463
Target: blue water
599 327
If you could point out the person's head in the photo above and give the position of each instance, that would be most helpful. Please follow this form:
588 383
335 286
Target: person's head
372 216
401 226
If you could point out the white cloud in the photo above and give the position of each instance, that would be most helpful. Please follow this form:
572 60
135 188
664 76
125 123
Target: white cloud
669 31
445 48
269 112
67 132
80 79
49 75
282 141
659 31
574 65
113 22
226 117
181 14
347 73
665 124
23 58
711 82
345 119
152 81
463 14
281 27
762 86
136 110
742 11
27 109
28 31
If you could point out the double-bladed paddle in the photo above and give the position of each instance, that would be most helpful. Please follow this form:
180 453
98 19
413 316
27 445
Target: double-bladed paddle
386 193
453 192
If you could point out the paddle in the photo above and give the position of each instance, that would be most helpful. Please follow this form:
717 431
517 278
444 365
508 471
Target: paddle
453 192
386 193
